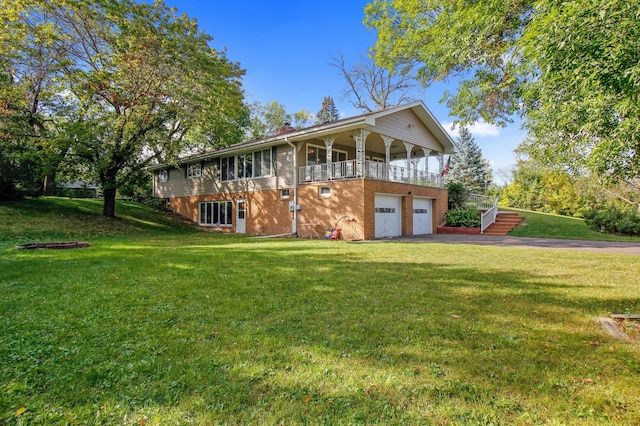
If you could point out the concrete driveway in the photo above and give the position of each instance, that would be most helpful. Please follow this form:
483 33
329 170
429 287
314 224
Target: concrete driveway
537 243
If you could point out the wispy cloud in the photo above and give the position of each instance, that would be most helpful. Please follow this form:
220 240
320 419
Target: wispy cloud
480 129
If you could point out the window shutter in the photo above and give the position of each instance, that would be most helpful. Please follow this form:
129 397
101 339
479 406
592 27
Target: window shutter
186 166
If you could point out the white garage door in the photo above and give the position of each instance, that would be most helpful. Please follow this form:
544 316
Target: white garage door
422 215
388 216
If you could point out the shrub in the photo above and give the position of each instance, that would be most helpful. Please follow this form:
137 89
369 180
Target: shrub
613 220
457 195
463 218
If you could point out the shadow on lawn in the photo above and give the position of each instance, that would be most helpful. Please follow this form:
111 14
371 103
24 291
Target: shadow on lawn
312 332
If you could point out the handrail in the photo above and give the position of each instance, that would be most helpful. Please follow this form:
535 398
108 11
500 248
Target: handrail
481 201
489 216
371 170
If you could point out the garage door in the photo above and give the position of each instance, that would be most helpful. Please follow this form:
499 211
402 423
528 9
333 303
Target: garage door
388 216
422 215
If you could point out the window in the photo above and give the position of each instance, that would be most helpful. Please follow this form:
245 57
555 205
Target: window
318 155
246 166
163 175
285 193
385 210
325 191
194 170
262 163
228 168
218 213
245 163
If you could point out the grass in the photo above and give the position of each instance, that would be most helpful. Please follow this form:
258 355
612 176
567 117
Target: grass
160 323
546 225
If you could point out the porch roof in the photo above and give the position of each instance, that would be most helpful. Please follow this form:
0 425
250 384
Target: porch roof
363 121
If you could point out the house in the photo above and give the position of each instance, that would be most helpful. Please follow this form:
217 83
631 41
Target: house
367 175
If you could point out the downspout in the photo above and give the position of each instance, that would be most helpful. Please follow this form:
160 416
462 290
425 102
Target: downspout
294 225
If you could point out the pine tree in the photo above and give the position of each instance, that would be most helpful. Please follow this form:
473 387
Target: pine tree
329 112
468 167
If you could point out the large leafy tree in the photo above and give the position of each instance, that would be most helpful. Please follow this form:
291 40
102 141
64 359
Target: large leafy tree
570 69
134 83
467 166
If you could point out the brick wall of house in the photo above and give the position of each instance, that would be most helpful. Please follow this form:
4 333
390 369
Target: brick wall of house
350 206
267 213
342 208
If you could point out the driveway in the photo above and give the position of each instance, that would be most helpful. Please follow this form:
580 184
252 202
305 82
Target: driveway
537 243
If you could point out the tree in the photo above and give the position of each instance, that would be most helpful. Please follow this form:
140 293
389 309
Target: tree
266 119
372 87
135 83
27 85
328 112
570 69
467 166
552 189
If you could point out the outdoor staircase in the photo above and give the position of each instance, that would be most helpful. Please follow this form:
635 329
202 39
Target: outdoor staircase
505 222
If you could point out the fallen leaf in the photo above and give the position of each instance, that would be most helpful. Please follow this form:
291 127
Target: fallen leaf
456 316
587 380
307 399
20 411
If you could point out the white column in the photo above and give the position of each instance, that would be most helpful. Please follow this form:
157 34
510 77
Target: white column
427 153
328 142
388 140
441 162
409 147
360 137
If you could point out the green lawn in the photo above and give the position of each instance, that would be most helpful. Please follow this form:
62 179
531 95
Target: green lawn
160 323
547 225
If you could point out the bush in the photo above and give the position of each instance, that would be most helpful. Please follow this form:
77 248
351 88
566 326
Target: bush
457 195
463 218
613 220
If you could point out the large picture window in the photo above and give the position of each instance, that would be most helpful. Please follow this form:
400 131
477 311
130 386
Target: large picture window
217 213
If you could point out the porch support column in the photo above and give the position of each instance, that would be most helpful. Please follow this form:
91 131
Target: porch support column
360 137
427 153
441 162
409 147
328 142
388 140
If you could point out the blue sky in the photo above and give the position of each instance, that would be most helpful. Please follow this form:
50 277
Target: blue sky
285 47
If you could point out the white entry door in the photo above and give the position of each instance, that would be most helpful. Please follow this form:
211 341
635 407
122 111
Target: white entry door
422 214
241 216
388 215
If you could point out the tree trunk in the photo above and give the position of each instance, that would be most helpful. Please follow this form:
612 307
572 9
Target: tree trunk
109 206
48 186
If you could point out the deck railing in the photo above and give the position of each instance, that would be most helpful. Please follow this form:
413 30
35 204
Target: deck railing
489 216
369 170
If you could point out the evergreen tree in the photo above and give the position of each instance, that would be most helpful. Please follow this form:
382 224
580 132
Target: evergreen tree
329 112
467 166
